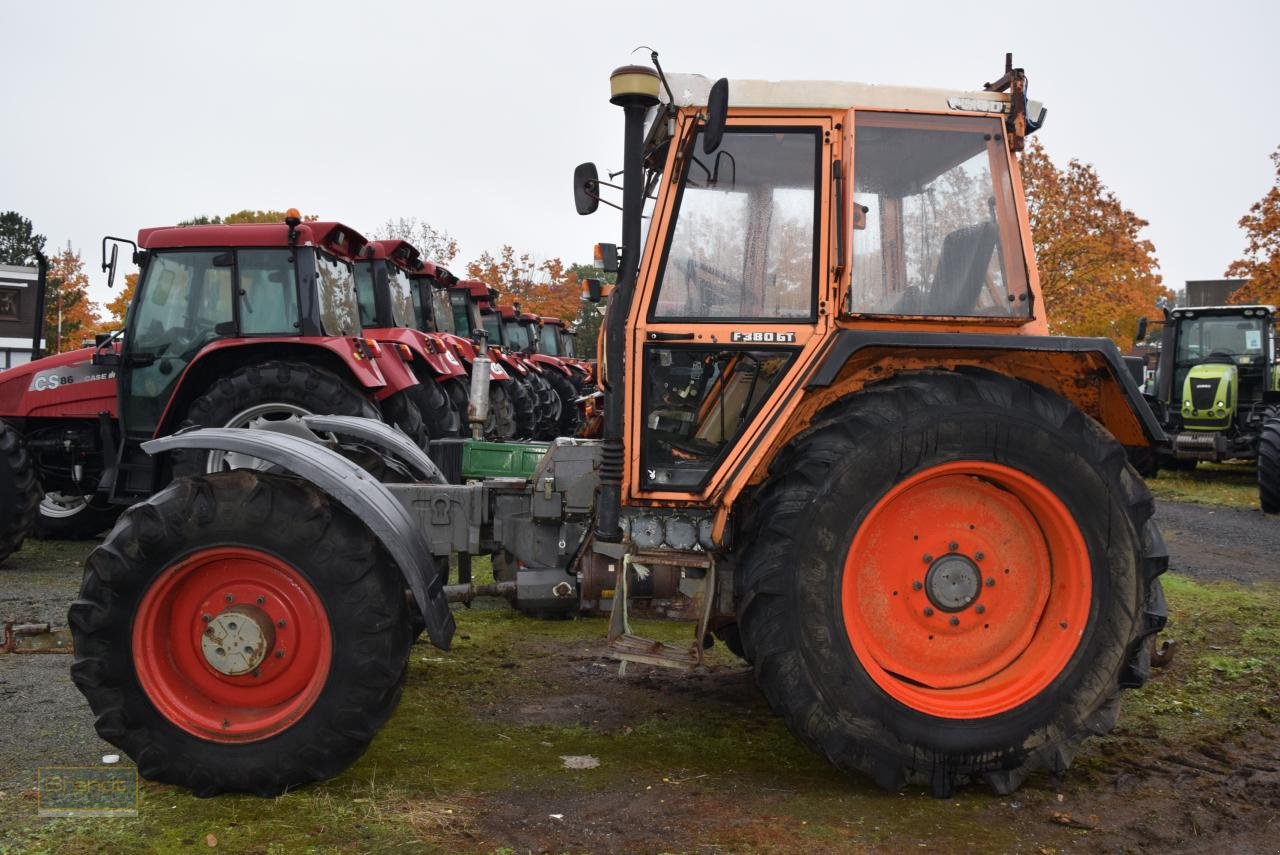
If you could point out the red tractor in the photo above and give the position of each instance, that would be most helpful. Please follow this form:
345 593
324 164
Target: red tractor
564 379
231 326
395 311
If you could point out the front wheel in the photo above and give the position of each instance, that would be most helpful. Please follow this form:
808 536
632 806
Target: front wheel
951 578
240 632
1269 462
67 516
19 492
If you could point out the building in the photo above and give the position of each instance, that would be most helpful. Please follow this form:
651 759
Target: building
19 290
1211 292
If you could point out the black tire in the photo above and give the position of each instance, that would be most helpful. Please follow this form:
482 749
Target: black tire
360 588
800 528
567 393
82 518
1269 462
524 406
502 422
290 384
401 411
19 492
440 413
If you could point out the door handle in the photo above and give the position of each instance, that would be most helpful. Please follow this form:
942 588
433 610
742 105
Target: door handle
669 336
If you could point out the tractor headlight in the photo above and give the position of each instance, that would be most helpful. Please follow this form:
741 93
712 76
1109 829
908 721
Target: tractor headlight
1221 405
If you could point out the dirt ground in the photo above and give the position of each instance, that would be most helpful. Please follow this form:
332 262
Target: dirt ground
690 762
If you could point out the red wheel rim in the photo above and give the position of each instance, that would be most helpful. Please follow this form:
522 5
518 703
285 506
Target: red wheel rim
188 635
966 590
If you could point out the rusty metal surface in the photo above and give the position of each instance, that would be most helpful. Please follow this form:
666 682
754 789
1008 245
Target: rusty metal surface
34 638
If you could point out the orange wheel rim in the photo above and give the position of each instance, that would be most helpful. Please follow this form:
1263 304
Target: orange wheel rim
966 590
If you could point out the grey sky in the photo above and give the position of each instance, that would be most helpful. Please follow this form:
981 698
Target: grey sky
471 116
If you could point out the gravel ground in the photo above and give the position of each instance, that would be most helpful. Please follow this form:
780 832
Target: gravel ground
44 721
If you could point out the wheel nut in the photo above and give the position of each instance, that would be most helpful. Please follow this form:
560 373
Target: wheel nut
928 559
230 598
953 546
280 623
226 723
261 600
206 618
955 621
928 612
978 556
279 654
991 582
917 585
981 609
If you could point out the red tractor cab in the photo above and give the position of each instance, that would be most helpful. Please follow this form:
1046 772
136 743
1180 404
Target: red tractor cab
247 325
518 345
559 374
395 311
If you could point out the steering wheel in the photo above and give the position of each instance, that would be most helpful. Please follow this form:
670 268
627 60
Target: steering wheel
1218 357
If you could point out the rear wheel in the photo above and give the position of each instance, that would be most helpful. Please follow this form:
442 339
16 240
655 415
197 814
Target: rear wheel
567 396
401 411
440 413
19 492
66 516
1269 462
951 578
240 632
502 422
524 407
273 395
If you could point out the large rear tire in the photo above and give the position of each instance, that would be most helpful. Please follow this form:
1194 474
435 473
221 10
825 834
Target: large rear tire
240 632
19 492
401 412
440 413
567 395
1269 462
950 578
524 406
273 391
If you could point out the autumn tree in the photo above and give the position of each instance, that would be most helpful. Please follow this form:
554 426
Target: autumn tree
120 304
19 243
435 244
248 215
590 318
1261 261
70 316
1098 274
542 287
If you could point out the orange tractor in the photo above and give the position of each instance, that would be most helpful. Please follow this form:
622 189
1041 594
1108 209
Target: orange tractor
836 437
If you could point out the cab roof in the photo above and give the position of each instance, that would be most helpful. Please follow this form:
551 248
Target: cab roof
692 90
331 235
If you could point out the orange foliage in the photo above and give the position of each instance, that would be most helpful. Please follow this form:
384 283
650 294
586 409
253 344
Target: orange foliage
1097 272
546 288
1261 262
67 304
120 304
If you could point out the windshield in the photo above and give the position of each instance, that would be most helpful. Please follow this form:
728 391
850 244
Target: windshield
400 292
364 293
1237 337
491 327
934 228
461 304
517 335
548 340
567 341
339 312
743 243
442 311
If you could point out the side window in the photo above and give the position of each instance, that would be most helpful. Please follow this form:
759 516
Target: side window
442 312
339 311
268 292
743 245
364 294
401 297
935 230
461 304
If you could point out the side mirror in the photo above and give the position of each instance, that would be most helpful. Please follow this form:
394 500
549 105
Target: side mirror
586 188
1141 334
607 257
110 266
591 290
717 112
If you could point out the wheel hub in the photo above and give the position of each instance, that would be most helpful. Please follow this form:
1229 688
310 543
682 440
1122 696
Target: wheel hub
953 582
237 640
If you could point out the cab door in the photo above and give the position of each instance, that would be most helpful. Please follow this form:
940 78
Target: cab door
732 298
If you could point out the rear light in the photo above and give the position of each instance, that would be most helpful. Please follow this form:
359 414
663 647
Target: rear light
405 352
374 347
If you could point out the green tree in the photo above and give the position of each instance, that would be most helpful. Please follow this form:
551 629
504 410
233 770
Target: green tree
590 317
248 215
19 243
70 316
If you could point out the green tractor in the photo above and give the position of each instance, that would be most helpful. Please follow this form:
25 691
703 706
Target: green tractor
1217 390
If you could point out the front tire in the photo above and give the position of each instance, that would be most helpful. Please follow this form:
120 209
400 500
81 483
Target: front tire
65 516
951 578
322 624
1269 462
567 394
19 492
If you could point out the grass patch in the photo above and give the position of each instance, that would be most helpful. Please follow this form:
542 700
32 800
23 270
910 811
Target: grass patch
1232 485
462 745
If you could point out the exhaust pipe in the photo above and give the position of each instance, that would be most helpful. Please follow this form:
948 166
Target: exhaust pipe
478 404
